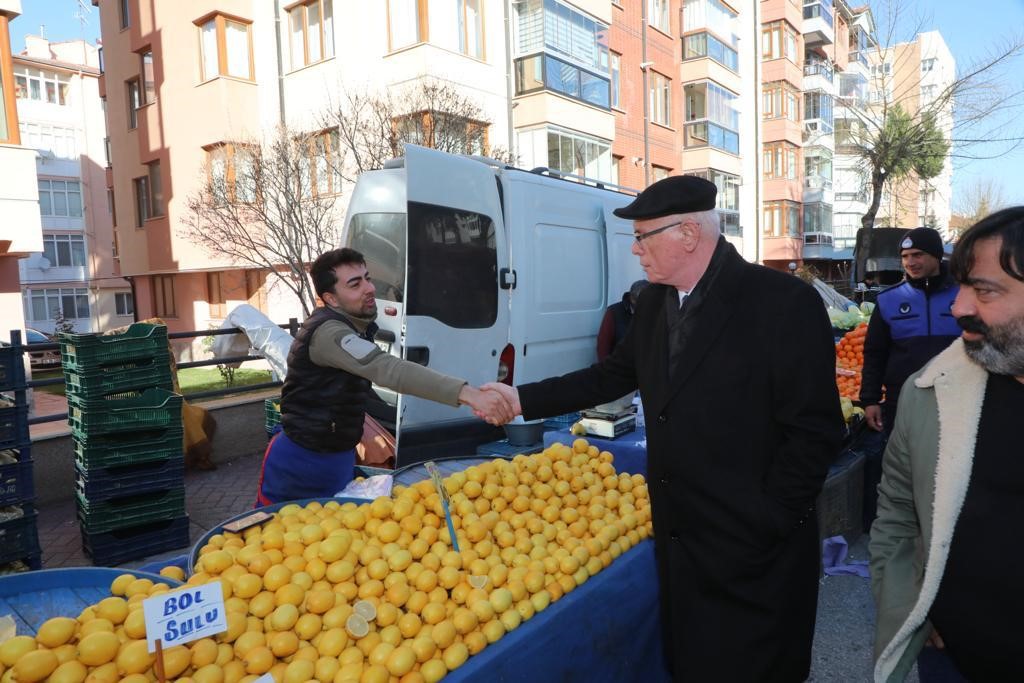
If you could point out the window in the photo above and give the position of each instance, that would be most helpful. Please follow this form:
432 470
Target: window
148 92
710 15
578 155
57 140
927 64
550 26
928 92
60 198
465 293
657 15
711 117
818 109
404 23
321 173
134 102
659 93
232 173
615 169
455 25
817 219
544 72
699 45
163 296
63 251
254 292
614 67
780 100
142 205
110 206
124 303
49 304
312 32
41 86
156 190
781 219
780 160
659 172
728 199
380 238
817 9
125 17
225 47
215 295
446 132
778 40
818 168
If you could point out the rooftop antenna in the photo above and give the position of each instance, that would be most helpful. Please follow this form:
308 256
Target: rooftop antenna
82 14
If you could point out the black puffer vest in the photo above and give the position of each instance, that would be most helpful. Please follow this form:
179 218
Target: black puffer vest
322 408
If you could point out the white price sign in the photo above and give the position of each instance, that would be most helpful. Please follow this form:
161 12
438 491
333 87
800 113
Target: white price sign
184 615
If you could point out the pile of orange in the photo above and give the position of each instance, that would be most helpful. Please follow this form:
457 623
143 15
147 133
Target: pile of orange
850 361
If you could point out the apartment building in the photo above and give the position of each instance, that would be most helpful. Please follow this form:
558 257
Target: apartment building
21 229
73 282
915 75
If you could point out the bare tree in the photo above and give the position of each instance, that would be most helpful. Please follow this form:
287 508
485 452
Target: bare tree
982 197
269 204
909 131
374 126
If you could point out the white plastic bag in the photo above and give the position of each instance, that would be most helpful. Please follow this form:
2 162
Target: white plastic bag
369 488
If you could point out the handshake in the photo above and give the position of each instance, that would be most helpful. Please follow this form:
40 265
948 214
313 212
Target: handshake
493 402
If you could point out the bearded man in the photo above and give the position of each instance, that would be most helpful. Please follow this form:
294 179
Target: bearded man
945 564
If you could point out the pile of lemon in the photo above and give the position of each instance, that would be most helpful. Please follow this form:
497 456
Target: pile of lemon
373 592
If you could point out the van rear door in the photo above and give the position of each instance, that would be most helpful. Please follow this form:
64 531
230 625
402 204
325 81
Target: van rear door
456 315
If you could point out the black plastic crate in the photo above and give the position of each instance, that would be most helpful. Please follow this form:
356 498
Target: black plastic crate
132 448
119 379
151 409
131 543
14 426
16 482
19 539
86 351
98 484
131 510
12 368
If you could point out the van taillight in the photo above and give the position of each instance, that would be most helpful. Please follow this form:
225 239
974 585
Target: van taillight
507 364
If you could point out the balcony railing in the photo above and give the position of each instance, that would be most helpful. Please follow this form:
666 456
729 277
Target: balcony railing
819 10
819 68
817 182
707 134
859 56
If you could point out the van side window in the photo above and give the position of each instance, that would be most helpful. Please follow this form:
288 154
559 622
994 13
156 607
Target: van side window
380 237
453 266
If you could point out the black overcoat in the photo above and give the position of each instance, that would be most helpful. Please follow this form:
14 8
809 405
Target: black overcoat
740 435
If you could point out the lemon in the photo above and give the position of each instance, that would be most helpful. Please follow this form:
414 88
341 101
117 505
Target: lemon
134 657
365 609
283 644
113 609
135 624
55 632
433 670
172 572
211 673
299 671
356 626
34 666
204 652
284 617
258 660
176 660
98 648
69 672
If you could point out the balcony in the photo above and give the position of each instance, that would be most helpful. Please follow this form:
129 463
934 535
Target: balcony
544 72
818 75
708 134
818 26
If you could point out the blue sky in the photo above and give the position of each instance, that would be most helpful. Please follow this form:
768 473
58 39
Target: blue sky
969 28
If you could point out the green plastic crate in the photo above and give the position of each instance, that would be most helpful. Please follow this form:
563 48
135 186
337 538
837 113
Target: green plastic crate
117 450
85 351
120 379
272 409
118 513
151 409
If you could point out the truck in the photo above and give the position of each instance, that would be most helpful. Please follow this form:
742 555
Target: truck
485 272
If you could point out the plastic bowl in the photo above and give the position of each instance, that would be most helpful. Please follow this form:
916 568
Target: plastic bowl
525 433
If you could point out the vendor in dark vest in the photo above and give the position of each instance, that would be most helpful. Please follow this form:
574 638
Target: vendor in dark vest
617 318
910 325
331 366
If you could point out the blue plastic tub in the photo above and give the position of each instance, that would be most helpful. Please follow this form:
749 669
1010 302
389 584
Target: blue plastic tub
193 555
33 597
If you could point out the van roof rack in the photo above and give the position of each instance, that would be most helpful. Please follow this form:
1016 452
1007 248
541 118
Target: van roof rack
571 177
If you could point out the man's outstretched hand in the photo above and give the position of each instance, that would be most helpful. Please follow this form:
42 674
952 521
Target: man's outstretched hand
492 406
510 394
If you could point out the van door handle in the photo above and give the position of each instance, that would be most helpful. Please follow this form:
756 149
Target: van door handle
418 354
385 336
507 278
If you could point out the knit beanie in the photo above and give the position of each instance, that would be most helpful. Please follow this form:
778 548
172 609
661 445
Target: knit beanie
927 240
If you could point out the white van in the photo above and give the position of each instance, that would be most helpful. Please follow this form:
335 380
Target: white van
484 272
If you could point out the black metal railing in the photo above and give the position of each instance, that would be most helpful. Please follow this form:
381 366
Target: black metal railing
292 326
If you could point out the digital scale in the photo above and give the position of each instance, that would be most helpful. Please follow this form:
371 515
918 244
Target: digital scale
608 425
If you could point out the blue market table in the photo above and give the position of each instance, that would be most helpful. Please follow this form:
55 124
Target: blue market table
630 449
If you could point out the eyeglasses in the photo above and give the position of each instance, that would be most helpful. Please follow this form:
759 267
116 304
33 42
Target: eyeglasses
641 236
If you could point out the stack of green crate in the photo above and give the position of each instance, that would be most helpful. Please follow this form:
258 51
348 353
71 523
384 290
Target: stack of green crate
128 441
272 413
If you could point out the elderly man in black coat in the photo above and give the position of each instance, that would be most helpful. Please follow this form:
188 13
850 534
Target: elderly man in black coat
736 369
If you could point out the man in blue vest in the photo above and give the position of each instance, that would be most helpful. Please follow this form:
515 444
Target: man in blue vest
911 324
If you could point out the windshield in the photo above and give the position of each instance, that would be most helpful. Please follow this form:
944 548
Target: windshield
380 238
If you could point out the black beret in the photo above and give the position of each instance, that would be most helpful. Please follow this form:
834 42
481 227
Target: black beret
672 195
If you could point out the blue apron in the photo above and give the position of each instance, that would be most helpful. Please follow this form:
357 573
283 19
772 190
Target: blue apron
291 472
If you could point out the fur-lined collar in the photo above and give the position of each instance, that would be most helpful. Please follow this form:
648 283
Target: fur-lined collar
959 385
